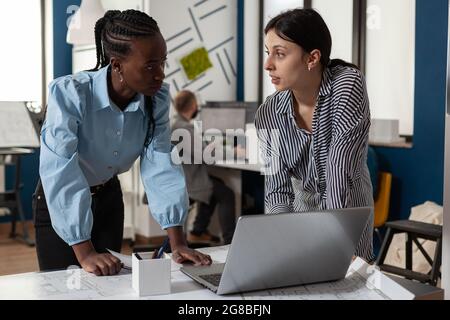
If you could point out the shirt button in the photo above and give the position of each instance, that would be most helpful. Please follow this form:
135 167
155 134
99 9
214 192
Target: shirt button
118 132
116 153
110 168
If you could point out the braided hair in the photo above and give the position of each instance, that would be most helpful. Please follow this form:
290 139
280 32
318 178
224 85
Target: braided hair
113 35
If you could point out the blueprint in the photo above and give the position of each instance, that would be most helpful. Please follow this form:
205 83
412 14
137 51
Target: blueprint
354 287
362 282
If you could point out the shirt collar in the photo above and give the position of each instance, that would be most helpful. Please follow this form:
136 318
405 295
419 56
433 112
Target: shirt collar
101 96
325 85
285 98
284 101
138 102
100 89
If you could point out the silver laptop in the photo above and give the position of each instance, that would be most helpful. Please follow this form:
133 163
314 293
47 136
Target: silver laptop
280 250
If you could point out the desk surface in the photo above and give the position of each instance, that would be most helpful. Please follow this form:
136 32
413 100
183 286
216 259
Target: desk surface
15 151
77 284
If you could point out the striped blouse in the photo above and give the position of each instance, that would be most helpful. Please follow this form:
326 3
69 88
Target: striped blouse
325 169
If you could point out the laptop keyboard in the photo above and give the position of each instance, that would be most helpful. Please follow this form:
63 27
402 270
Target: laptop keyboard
212 278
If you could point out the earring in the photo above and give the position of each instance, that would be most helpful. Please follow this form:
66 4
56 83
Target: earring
309 68
120 75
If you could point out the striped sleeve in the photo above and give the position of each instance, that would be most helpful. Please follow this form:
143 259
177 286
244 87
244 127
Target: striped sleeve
279 193
349 141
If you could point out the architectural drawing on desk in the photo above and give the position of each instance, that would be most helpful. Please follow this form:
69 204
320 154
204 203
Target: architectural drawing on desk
353 287
109 286
200 24
57 285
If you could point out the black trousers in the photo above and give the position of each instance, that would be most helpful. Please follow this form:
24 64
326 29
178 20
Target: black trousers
224 198
107 231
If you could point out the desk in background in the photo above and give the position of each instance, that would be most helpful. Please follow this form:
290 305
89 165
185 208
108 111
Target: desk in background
11 199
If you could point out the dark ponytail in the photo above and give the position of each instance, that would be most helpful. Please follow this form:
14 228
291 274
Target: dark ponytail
306 28
339 62
113 35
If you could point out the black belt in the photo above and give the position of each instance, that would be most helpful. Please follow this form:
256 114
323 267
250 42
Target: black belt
99 188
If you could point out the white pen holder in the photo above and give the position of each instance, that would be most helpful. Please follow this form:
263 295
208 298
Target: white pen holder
151 276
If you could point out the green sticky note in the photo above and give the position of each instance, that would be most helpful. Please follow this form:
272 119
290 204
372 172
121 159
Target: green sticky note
195 63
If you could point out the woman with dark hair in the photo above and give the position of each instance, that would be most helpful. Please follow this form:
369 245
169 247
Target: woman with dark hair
97 124
314 129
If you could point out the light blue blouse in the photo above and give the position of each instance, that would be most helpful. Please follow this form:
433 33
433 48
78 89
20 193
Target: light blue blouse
86 140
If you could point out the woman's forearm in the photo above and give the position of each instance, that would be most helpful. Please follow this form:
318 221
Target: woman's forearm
83 249
176 237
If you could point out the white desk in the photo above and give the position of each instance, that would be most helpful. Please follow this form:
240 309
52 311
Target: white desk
77 284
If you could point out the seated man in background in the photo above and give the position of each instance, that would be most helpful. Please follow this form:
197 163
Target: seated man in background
207 190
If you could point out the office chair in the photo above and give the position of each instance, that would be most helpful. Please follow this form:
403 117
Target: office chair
382 202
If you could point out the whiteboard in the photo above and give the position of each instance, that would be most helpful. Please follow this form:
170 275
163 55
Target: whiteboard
189 25
16 127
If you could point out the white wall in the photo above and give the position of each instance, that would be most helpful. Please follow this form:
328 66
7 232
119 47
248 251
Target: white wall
251 49
48 43
390 60
122 5
271 9
22 67
338 16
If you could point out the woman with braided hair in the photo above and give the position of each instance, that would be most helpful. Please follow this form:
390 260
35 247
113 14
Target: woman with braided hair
98 123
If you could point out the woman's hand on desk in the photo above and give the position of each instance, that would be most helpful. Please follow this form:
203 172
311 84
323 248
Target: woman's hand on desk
185 254
181 252
100 264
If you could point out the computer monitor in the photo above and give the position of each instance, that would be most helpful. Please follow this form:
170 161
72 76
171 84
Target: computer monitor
223 115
